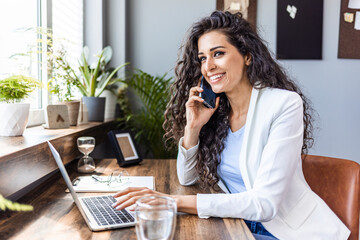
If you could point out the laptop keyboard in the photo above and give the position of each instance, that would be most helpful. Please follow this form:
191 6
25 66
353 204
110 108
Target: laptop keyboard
104 214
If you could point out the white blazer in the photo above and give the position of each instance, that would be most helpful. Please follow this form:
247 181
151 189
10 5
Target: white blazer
270 163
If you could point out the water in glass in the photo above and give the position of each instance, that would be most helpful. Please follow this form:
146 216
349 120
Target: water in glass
156 218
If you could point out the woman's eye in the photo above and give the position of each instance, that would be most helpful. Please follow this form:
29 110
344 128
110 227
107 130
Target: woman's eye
201 59
218 54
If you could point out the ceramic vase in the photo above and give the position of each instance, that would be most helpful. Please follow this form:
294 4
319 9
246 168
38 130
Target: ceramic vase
14 118
110 104
95 107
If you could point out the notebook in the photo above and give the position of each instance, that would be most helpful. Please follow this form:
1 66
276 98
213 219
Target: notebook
99 183
96 210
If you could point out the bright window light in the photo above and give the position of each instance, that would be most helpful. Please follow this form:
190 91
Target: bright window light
19 21
14 41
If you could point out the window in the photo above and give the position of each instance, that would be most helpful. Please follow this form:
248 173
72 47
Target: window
67 26
19 21
67 23
15 40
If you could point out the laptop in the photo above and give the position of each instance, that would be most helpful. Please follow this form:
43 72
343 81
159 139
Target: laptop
96 210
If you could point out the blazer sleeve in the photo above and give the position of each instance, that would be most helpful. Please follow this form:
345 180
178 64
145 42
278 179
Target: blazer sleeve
278 161
185 165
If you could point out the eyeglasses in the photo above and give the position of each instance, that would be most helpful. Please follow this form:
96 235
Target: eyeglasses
117 177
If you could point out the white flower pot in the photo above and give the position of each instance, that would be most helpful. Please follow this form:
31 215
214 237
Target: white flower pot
110 104
14 118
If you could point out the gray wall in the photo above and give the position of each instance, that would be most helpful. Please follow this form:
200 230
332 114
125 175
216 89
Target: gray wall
104 25
115 26
332 84
155 30
94 25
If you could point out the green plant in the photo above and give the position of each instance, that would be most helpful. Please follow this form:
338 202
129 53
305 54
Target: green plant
17 87
91 80
123 102
60 83
95 78
146 123
7 204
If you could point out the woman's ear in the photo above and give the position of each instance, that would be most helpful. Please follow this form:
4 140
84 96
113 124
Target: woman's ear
248 59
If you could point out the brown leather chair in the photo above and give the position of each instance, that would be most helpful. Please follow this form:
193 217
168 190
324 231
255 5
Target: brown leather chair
337 182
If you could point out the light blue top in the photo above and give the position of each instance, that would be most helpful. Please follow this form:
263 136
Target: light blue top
229 169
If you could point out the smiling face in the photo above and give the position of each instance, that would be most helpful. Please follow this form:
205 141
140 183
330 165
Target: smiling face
221 63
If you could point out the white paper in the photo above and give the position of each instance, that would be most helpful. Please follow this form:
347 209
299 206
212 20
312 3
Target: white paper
292 11
354 4
357 21
235 6
88 184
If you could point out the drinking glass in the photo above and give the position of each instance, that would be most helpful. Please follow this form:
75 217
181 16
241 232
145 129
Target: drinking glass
86 145
155 218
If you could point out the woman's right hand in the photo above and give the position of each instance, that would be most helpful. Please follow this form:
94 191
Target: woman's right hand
197 115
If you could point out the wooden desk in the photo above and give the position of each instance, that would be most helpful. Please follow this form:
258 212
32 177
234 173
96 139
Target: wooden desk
26 159
57 217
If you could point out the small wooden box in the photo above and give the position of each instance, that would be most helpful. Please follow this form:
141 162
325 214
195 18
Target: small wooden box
56 116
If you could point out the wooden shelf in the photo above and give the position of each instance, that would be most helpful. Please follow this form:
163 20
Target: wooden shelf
26 159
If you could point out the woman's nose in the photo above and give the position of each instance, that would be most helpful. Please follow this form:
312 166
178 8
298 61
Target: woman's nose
209 64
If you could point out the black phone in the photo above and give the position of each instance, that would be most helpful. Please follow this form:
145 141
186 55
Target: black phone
208 95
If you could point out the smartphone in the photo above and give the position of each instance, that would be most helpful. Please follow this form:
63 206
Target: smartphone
208 95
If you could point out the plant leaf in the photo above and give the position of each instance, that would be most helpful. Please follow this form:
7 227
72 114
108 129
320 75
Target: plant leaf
85 55
107 54
17 87
147 123
102 88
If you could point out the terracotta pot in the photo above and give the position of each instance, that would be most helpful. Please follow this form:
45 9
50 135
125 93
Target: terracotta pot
83 114
73 109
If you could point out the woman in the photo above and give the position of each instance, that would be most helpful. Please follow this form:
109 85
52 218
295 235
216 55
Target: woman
250 144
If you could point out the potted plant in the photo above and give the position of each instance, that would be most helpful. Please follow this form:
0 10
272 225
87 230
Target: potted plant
61 85
94 79
14 115
91 80
146 122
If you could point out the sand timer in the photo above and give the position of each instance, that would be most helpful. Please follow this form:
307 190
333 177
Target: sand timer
86 145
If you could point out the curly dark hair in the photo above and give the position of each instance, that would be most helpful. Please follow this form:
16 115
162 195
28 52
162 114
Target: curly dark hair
262 72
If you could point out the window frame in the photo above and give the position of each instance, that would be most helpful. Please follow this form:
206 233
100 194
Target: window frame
44 20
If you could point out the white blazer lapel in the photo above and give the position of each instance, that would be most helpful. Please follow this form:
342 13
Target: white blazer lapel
244 150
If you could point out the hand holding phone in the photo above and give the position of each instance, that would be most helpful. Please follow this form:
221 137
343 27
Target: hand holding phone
208 95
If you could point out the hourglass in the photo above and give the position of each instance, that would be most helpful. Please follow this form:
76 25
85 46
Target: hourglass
86 145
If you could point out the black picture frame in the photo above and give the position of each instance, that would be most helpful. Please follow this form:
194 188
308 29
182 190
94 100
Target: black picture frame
299 29
124 147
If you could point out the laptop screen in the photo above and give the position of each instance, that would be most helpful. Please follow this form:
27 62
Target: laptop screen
64 174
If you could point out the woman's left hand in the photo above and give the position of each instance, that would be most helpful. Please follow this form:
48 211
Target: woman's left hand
130 195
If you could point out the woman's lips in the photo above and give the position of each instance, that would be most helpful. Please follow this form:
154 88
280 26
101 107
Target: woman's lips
216 77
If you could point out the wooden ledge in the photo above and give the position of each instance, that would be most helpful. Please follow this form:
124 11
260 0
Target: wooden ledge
26 159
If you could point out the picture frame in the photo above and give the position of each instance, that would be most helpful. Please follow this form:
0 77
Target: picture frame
299 29
349 35
247 7
124 147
